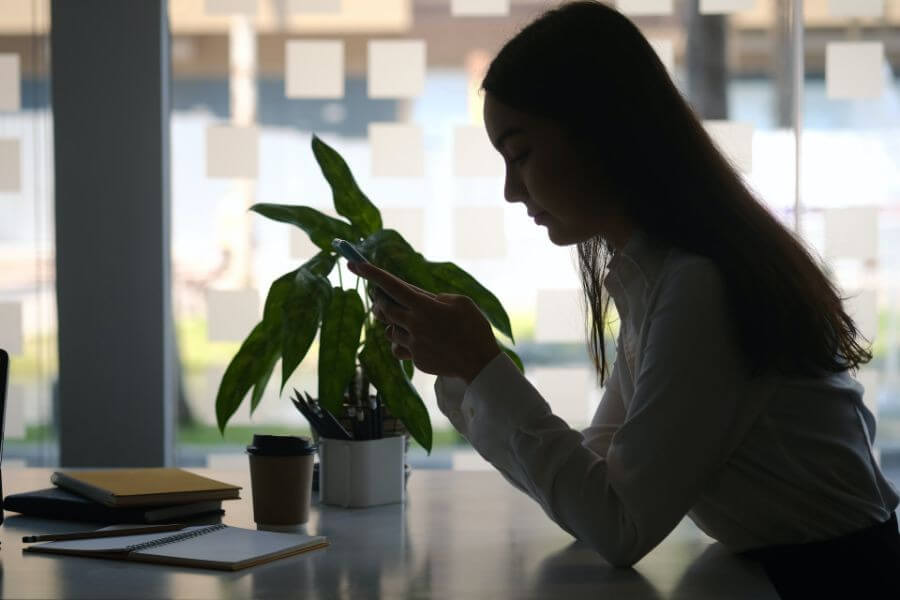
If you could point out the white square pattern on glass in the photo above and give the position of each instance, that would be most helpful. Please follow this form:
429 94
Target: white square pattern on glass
479 8
473 153
314 69
396 68
666 52
11 330
718 7
853 70
10 83
410 222
14 420
299 244
560 317
232 152
313 6
856 8
230 7
231 314
644 7
862 306
567 390
735 140
398 150
10 165
852 233
479 232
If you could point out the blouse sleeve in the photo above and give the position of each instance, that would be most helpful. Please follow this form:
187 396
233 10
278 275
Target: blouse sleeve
672 440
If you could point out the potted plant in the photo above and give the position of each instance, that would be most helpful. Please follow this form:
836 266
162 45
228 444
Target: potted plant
302 301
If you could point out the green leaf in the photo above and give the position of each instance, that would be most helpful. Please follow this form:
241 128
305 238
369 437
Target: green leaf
409 368
401 398
246 368
254 362
301 313
388 250
515 357
260 386
349 200
341 328
320 228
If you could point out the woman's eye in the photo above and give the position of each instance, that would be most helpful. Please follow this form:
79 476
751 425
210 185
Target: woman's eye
521 158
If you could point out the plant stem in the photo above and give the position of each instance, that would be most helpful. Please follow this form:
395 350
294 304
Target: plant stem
340 276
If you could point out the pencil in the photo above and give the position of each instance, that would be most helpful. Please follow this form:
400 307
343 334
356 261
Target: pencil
84 535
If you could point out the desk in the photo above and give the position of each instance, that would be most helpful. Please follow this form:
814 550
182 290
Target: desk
460 535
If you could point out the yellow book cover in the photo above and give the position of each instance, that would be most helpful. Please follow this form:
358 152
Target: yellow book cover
144 487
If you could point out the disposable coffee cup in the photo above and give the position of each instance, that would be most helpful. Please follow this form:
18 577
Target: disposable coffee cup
281 469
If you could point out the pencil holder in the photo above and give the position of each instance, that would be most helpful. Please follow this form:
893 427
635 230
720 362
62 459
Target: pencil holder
356 474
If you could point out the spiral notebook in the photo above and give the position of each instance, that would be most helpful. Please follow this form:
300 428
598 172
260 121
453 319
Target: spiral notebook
205 546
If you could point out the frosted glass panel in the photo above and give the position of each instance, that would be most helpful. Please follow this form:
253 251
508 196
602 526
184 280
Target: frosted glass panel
11 329
567 390
14 422
479 8
299 245
314 6
862 306
853 70
398 150
409 222
314 69
230 7
479 232
232 151
396 68
231 314
856 8
735 140
713 7
559 316
10 165
10 83
644 7
473 154
852 233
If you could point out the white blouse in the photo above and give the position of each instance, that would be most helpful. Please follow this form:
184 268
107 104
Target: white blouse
681 428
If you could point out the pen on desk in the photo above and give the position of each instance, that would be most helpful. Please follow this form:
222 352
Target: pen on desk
373 421
84 535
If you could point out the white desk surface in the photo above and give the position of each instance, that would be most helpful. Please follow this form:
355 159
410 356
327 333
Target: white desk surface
459 535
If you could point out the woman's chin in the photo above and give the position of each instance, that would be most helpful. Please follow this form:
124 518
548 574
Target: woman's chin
561 238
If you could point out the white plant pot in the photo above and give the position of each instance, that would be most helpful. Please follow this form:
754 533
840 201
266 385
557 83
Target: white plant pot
356 474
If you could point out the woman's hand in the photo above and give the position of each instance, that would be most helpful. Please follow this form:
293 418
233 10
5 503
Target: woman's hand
443 334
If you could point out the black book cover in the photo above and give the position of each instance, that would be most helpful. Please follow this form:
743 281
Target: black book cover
57 503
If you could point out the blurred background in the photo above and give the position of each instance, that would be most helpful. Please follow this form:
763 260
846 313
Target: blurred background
808 109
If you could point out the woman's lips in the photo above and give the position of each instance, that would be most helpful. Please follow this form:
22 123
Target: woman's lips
541 216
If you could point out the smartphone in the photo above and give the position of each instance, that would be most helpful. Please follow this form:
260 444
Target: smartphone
348 251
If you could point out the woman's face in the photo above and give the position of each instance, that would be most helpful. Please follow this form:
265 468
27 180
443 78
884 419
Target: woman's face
559 187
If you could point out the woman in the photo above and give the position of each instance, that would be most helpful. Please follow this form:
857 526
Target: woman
730 399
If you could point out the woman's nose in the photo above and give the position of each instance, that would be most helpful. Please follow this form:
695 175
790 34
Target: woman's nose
513 190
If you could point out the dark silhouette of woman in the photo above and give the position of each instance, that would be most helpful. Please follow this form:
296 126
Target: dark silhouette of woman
731 398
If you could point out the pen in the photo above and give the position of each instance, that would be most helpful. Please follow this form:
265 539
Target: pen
373 421
84 535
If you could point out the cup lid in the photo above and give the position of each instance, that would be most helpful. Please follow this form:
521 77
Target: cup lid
281 445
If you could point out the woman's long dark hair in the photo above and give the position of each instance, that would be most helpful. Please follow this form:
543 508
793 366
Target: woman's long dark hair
588 68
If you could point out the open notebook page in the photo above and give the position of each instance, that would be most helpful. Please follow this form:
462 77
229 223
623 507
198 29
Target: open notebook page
232 545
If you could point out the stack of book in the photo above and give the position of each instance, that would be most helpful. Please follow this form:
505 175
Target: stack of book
152 495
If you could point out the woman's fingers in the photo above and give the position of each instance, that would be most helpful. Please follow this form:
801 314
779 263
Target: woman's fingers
400 291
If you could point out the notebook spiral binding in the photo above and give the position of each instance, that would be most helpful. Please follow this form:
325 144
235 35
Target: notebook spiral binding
175 538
